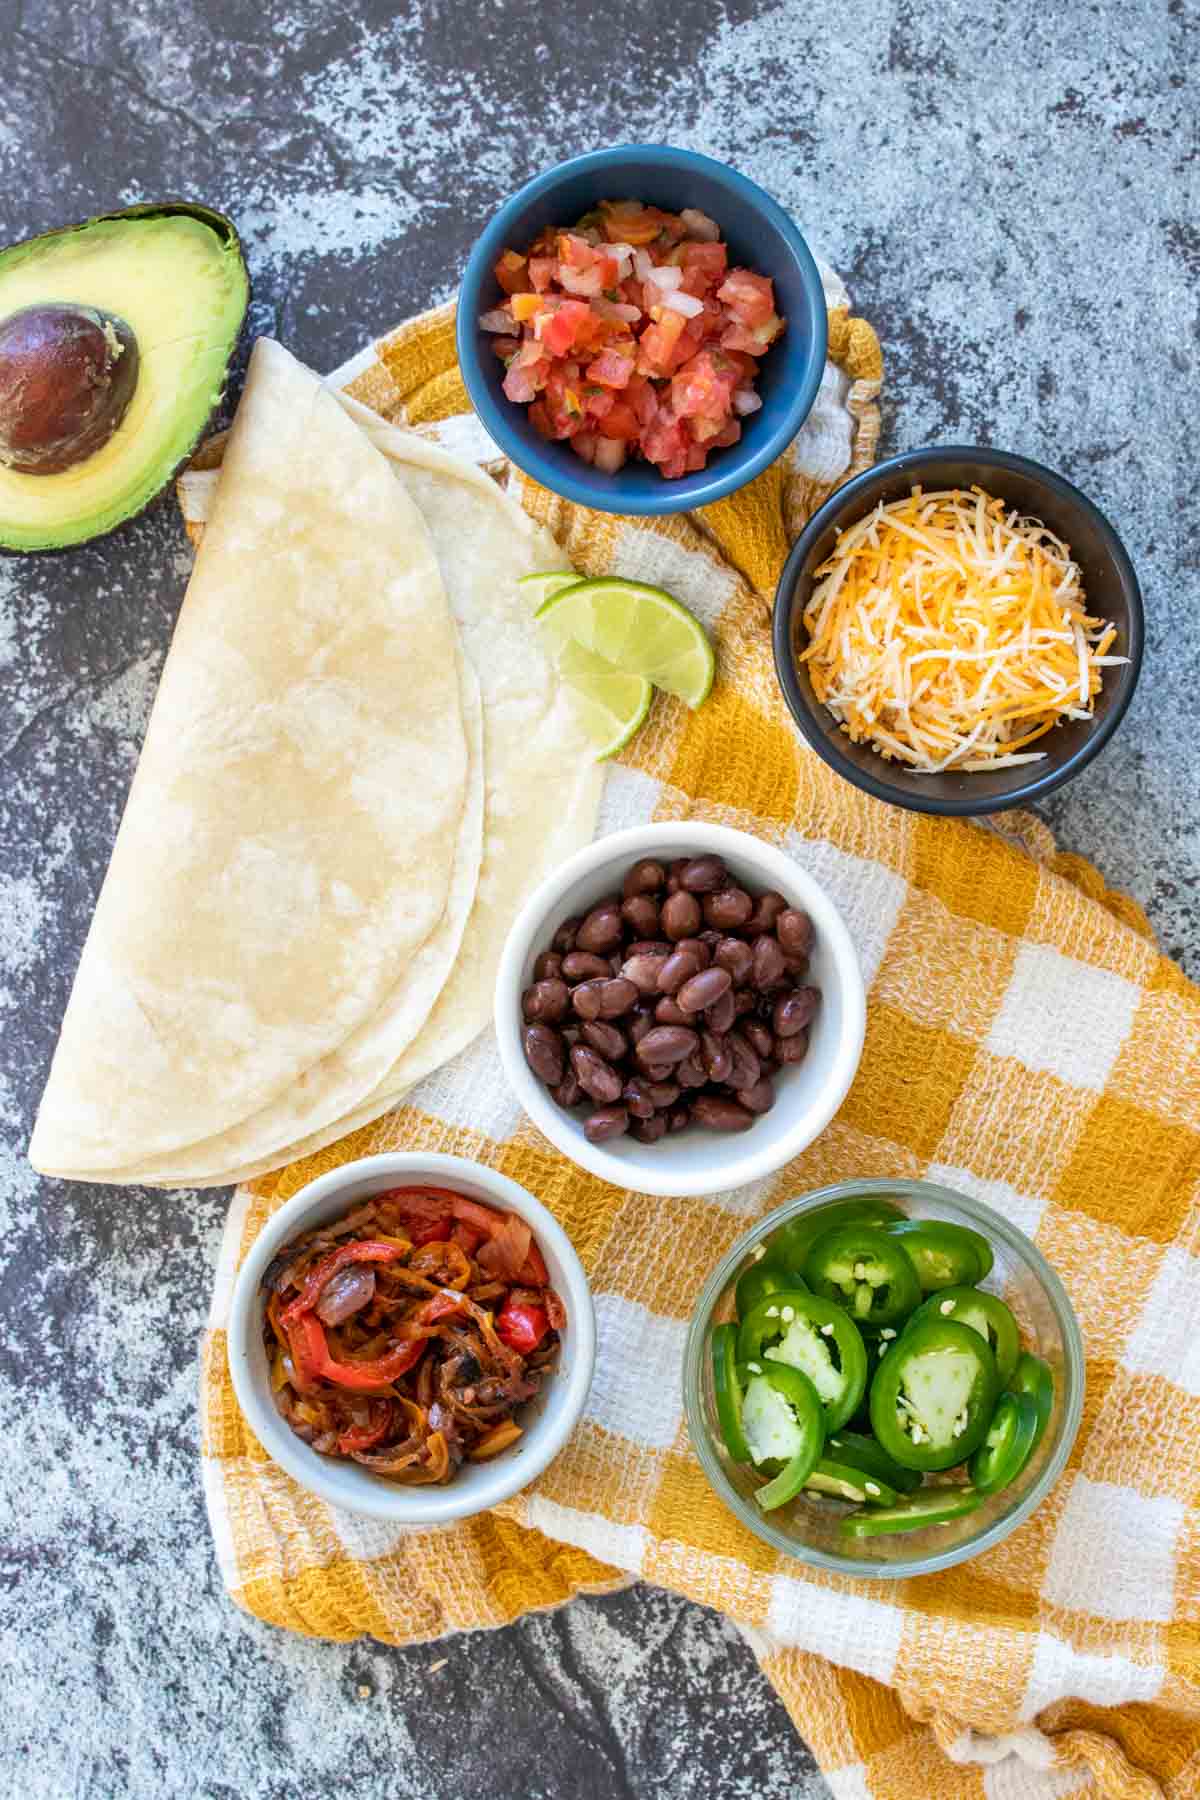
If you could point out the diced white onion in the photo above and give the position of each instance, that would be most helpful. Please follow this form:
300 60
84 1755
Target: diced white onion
497 320
745 400
643 262
679 302
666 277
699 225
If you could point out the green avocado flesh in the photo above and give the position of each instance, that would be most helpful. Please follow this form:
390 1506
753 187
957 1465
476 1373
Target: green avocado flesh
176 276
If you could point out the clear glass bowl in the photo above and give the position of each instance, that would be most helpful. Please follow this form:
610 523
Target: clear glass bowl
808 1527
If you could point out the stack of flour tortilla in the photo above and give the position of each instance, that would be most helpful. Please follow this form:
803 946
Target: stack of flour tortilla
359 763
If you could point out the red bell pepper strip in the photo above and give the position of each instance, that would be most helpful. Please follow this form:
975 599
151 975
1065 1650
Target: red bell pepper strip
365 1437
521 1326
366 1250
310 1351
534 1272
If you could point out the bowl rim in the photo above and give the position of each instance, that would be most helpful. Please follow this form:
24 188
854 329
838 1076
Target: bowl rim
401 1505
985 1218
736 470
640 1175
842 502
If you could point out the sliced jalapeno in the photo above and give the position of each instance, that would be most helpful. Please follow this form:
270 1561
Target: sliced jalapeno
844 1482
767 1276
985 1314
1032 1376
865 1270
797 1430
793 1241
859 1452
943 1255
796 1329
727 1389
1010 1442
932 1506
932 1397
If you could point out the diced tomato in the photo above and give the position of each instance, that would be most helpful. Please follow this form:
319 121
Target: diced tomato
704 388
708 262
525 306
598 403
611 368
620 421
730 434
539 418
541 272
754 341
521 382
658 344
749 297
512 272
570 324
575 251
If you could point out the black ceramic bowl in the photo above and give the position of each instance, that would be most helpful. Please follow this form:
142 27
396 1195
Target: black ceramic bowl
1109 583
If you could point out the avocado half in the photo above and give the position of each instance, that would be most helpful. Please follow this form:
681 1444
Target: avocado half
115 339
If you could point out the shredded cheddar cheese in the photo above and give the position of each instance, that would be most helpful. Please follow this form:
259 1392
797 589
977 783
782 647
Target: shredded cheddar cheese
949 633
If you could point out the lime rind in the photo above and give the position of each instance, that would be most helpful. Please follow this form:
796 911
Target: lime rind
545 583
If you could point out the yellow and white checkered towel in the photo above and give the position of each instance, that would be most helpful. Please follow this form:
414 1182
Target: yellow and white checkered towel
1027 1044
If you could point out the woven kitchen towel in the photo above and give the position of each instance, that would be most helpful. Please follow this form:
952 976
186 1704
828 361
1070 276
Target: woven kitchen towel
1025 1044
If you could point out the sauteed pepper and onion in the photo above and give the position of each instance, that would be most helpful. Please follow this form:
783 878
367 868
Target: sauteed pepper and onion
865 1358
406 1335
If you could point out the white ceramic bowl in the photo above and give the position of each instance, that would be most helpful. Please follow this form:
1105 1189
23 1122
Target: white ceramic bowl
548 1419
808 1095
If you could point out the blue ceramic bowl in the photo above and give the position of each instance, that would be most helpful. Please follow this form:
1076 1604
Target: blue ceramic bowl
760 236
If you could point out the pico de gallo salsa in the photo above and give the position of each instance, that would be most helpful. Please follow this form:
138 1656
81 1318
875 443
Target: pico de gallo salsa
629 334
405 1335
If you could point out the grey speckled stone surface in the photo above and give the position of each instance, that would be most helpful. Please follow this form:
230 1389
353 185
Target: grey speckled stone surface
1012 194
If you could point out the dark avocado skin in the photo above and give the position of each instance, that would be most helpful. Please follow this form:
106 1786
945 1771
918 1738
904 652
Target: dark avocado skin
226 230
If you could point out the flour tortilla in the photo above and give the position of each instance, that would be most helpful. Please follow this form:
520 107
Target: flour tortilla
543 783
292 831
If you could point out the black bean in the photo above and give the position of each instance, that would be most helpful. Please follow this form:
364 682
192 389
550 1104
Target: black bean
696 946
704 989
757 1099
643 970
769 968
640 914
544 1052
678 1118
718 1059
757 1036
732 954
645 877
583 965
564 938
586 998
794 1011
746 1068
568 1093
720 1015
648 1131
744 1001
602 929
548 966
703 875
794 929
595 1076
668 1012
638 1097
767 909
791 1050
728 909
719 1114
656 1071
605 1038
546 1000
680 916
663 1093
617 997
605 1123
668 1044
649 947
639 1025
679 967
691 1073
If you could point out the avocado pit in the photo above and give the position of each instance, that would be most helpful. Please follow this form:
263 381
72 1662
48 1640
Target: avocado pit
67 375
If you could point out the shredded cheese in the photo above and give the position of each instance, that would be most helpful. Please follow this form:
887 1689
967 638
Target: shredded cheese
951 633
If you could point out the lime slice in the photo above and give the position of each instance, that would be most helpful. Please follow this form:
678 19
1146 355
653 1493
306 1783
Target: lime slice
640 628
610 704
539 588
